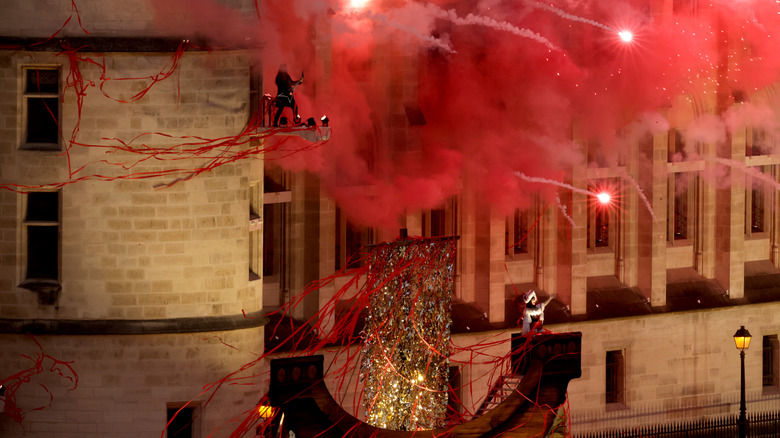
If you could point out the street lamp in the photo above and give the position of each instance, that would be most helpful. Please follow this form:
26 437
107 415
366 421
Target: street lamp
742 339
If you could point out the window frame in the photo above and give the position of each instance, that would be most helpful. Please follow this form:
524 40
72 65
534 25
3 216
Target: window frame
255 231
195 411
675 202
615 379
25 108
770 372
757 143
275 235
350 240
601 216
28 224
441 221
519 222
757 192
48 287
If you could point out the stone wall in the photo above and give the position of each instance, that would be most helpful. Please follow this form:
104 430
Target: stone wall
138 247
125 383
679 366
42 18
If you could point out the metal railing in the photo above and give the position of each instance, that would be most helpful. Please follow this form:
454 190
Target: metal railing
760 425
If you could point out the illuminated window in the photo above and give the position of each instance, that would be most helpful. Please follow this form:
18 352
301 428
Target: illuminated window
41 106
615 377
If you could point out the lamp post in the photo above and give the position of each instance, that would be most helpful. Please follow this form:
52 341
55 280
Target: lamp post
742 340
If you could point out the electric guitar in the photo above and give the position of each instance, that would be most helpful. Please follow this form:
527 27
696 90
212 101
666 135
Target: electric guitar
287 99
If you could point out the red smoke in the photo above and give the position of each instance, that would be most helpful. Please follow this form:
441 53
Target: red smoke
496 99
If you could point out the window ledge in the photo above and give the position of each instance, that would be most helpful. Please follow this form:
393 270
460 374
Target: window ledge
519 257
40 147
613 407
601 250
770 390
679 243
48 290
759 235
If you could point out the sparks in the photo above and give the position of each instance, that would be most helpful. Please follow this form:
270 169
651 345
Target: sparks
604 198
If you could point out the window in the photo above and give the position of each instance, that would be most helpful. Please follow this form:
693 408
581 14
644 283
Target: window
680 226
274 231
436 222
350 239
41 109
441 221
183 420
602 155
454 394
756 208
277 198
676 146
771 364
517 235
256 101
615 377
680 215
255 231
42 250
42 220
757 143
685 7
598 223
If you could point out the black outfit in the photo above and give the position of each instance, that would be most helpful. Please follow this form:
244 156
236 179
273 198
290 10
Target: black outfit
284 94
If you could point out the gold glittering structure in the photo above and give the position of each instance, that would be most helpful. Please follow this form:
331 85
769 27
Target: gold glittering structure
405 365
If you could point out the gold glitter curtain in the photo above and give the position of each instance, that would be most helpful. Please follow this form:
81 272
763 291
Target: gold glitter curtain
405 365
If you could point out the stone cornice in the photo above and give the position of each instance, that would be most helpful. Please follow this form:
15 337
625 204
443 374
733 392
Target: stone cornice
132 326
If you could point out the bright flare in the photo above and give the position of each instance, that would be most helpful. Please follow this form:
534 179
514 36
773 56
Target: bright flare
604 197
357 4
626 36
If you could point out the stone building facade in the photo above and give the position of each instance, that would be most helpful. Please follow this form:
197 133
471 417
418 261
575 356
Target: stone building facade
139 284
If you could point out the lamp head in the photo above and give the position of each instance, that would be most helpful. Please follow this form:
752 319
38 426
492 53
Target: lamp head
324 120
265 411
742 338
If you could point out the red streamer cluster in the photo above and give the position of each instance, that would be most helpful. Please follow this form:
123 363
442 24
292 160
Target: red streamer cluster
42 362
340 324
